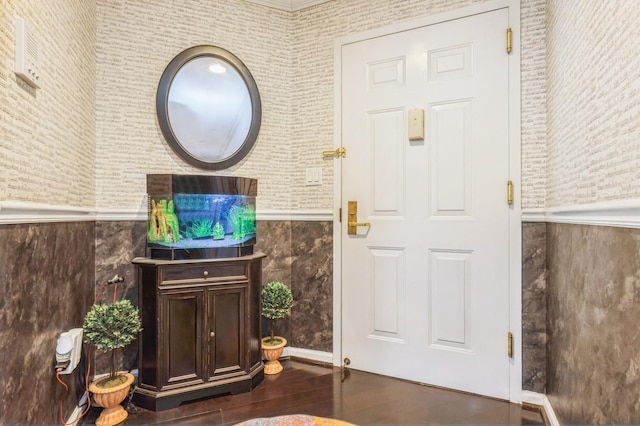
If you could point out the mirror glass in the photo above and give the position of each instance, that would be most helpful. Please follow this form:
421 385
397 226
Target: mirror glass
208 107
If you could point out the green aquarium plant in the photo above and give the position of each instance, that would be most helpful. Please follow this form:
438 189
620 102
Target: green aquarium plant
276 302
202 228
235 220
249 219
242 220
111 326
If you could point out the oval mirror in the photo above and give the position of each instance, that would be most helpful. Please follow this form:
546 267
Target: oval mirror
208 107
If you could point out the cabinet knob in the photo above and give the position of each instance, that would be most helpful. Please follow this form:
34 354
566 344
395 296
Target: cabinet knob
206 273
212 334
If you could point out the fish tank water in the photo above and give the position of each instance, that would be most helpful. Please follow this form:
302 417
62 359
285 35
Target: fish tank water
200 217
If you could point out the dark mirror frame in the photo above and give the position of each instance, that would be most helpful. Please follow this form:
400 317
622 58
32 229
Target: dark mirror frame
162 106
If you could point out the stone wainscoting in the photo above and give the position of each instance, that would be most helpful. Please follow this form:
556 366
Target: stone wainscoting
581 287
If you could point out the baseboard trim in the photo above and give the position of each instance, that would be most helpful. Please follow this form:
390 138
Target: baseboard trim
542 401
533 398
317 356
549 413
74 418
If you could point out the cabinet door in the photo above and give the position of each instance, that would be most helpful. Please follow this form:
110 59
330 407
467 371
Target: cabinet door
227 310
181 331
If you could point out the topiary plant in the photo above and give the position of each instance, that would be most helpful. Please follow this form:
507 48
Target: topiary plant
111 326
276 302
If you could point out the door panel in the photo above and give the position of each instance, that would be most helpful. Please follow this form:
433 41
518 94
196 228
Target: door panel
450 142
425 290
182 334
449 290
388 288
388 162
227 331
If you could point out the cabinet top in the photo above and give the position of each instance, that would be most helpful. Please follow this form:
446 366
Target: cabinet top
150 261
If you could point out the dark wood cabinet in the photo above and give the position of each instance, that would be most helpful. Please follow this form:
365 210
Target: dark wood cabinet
201 329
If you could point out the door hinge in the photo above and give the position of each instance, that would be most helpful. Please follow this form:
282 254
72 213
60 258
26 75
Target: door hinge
509 40
510 344
340 214
509 192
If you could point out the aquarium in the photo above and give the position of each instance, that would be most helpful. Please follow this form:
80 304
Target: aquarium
200 217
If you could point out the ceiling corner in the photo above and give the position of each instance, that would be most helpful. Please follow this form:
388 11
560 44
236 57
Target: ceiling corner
288 5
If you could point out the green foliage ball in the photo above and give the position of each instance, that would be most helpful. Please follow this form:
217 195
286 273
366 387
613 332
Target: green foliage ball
276 300
111 326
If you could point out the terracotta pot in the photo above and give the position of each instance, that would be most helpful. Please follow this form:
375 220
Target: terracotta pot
271 354
110 399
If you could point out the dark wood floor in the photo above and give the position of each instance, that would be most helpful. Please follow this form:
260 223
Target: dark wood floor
356 397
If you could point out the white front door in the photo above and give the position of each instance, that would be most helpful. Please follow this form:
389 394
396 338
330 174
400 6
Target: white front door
425 288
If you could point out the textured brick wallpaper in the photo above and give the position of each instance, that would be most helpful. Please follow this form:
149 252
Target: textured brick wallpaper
593 99
90 136
533 103
136 40
47 136
291 57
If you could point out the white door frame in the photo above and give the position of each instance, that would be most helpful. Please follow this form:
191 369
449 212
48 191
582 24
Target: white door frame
515 211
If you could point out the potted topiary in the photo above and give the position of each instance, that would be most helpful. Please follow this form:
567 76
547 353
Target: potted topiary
276 302
107 327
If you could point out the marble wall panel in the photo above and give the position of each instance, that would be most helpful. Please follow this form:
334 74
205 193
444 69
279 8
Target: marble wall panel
47 283
274 240
534 307
593 365
41 265
312 285
117 243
